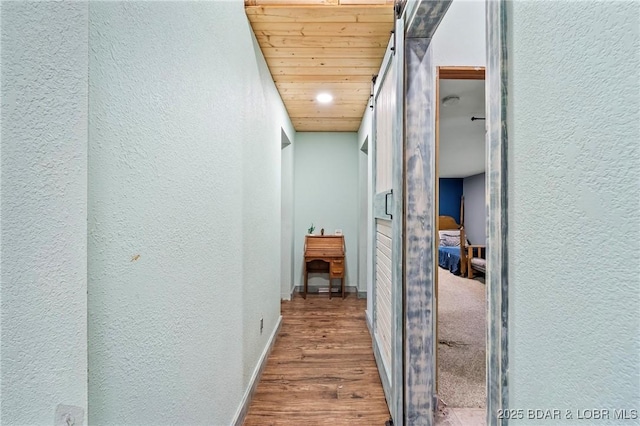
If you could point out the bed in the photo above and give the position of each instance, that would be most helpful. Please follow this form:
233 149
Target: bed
459 262
450 256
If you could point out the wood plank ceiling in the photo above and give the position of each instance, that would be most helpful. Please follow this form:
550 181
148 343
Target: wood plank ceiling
323 46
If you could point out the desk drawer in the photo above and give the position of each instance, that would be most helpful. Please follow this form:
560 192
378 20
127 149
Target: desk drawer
337 268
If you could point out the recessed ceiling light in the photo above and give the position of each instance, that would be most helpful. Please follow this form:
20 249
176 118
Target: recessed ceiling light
324 98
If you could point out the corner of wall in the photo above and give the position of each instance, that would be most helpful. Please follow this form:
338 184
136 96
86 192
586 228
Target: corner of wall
43 261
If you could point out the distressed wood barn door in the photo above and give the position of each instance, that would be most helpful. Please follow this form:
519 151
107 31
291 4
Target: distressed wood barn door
387 232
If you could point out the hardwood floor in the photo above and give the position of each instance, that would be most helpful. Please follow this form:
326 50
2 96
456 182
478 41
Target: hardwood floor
321 370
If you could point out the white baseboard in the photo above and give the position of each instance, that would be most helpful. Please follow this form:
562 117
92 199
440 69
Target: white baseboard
369 324
243 409
285 296
335 289
288 296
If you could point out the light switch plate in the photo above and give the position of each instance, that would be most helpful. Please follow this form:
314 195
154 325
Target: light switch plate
69 415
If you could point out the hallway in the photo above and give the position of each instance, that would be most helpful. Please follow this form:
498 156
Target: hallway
321 369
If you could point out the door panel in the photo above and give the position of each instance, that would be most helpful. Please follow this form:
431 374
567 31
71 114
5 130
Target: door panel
384 103
387 228
383 293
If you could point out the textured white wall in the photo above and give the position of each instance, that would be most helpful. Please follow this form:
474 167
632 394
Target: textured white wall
44 206
462 141
326 193
259 133
363 223
184 172
574 221
460 37
287 224
364 134
475 208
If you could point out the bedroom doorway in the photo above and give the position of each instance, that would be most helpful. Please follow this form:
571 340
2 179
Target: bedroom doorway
461 217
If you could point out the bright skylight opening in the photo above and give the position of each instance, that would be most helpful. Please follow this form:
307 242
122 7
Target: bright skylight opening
324 98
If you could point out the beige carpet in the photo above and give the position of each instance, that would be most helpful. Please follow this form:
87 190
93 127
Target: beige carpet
462 324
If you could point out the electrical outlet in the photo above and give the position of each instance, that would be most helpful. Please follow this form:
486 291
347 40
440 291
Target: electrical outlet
261 324
69 415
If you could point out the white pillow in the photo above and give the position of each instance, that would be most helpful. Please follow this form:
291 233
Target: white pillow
450 238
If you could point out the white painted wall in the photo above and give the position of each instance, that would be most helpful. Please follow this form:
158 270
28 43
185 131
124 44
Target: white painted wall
260 134
43 290
574 221
184 172
326 193
475 208
364 134
287 225
460 37
462 141
363 204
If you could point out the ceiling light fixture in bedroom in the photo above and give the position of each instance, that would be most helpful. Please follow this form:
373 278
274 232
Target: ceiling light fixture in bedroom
450 100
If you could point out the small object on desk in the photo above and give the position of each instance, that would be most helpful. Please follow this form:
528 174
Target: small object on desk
311 229
322 231
324 254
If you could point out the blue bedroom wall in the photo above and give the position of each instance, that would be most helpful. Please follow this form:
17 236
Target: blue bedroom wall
450 194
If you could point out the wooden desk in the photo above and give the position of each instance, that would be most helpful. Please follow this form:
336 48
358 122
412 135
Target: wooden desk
324 253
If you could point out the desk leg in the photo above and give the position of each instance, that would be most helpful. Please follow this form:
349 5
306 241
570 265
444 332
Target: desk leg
329 283
306 275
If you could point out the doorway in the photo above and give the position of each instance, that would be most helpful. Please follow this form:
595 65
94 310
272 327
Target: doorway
460 261
422 19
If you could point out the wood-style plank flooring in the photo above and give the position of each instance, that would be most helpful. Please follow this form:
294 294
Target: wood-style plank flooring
321 370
